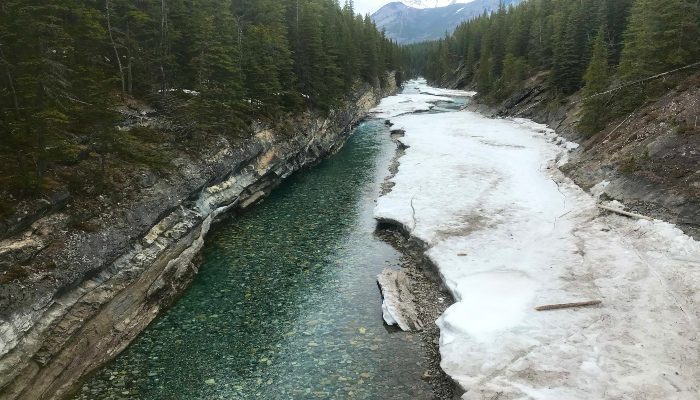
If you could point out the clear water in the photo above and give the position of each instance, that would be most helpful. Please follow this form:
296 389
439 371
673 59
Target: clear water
286 304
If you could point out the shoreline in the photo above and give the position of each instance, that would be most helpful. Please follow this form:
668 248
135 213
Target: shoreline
432 298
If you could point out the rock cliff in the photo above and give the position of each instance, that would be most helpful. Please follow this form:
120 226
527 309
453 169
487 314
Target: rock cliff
72 299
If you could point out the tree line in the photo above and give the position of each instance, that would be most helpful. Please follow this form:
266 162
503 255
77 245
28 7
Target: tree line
207 65
587 45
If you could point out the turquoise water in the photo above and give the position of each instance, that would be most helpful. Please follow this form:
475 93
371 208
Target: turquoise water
286 304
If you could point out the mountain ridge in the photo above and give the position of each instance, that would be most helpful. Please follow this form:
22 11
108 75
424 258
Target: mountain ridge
406 24
422 4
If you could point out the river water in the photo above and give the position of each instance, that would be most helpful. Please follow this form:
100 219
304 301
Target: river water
286 304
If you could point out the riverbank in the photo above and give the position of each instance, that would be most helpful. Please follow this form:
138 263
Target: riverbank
648 158
432 299
509 232
431 296
86 291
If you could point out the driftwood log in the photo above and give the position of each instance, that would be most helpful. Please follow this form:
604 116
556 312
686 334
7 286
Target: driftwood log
568 305
625 213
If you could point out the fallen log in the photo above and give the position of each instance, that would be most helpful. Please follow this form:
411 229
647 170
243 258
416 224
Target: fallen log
568 305
625 213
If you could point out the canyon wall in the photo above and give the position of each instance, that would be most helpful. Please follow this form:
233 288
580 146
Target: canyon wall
89 292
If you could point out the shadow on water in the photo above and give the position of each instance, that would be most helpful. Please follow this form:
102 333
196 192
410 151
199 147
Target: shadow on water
286 303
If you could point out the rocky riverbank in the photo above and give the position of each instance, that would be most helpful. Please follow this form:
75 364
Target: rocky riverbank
72 297
431 299
430 295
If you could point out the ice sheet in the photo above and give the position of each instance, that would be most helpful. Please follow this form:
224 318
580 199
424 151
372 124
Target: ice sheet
508 232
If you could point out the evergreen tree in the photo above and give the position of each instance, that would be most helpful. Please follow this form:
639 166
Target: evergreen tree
660 36
569 52
596 77
557 38
484 76
310 59
218 81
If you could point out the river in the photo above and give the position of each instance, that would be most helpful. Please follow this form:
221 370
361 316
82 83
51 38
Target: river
286 303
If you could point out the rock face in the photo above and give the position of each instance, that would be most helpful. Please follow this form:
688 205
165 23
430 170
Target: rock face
57 324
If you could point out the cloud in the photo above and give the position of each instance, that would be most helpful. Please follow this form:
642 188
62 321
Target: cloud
368 6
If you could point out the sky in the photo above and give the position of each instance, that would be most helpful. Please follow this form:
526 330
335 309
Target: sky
369 6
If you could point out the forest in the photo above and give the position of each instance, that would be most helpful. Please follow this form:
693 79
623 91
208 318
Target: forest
207 66
595 46
69 69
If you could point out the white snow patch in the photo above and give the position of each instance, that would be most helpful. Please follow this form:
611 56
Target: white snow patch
387 315
490 189
186 91
599 188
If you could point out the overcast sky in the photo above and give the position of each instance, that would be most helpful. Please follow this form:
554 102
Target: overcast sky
368 6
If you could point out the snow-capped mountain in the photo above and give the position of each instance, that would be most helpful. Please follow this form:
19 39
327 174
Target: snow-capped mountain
433 3
411 24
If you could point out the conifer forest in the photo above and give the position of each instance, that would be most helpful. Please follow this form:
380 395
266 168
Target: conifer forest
593 45
208 65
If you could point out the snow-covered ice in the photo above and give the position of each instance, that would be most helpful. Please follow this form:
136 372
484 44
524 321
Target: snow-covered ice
508 232
395 106
444 92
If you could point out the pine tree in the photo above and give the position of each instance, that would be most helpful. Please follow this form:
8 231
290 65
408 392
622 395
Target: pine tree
484 75
42 83
660 36
309 57
514 72
614 14
569 53
370 52
594 106
218 81
332 45
541 32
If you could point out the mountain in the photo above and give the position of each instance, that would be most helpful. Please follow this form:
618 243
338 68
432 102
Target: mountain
421 22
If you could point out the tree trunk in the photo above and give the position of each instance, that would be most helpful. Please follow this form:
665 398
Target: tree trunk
625 213
114 46
163 39
129 69
10 79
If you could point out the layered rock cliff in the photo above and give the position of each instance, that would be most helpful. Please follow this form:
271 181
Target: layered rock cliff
74 298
